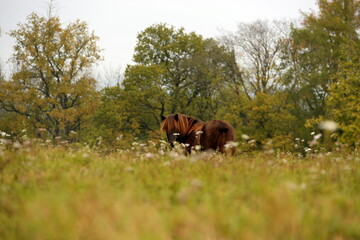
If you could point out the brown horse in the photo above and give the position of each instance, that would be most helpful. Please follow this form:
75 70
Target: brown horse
191 132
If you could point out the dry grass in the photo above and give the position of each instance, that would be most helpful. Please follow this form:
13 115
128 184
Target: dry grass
54 193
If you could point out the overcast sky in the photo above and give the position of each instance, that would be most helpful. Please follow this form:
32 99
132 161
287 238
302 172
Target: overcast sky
117 22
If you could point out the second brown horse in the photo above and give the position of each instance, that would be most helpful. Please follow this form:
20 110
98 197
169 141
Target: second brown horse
184 129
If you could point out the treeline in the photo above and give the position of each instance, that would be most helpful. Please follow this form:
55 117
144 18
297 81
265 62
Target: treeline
272 80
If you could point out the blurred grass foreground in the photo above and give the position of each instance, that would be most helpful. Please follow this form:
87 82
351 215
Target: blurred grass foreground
58 193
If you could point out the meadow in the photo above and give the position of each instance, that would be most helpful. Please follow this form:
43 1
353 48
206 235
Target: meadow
152 193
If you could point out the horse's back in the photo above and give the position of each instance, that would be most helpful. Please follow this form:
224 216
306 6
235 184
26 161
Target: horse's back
216 134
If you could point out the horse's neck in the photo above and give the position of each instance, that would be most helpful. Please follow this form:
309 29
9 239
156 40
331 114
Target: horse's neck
195 125
193 122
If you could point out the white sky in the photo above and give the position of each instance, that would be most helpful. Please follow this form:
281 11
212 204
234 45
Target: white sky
117 22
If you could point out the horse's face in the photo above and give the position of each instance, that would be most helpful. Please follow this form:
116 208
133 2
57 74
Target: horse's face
170 125
172 137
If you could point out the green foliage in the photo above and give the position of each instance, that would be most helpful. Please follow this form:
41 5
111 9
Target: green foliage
259 118
175 72
271 81
13 123
110 126
52 86
343 102
316 51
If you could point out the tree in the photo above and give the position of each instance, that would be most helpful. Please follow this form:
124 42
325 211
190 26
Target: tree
175 71
258 46
315 52
52 87
256 96
344 95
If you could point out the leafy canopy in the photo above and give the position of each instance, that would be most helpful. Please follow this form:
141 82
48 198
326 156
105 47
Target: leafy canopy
52 85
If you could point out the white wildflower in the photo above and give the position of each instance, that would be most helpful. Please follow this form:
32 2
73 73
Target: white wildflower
307 149
328 125
313 143
149 155
197 147
312 133
5 141
17 145
41 130
118 138
317 136
176 134
245 136
231 144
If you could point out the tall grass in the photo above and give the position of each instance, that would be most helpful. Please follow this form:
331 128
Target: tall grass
57 193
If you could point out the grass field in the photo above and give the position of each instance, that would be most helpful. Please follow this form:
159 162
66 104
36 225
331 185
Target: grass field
57 193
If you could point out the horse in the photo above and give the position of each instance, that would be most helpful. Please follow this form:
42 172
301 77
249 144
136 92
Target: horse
191 132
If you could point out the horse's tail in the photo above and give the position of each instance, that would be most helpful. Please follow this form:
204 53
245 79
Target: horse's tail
226 135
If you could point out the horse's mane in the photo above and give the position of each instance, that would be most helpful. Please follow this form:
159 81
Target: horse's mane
179 123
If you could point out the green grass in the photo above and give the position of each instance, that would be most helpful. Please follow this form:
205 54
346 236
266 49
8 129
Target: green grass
62 194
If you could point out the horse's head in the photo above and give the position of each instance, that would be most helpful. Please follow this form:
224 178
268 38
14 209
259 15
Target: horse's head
175 126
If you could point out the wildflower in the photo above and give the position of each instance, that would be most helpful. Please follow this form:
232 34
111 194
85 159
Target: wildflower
176 134
307 149
197 147
312 133
231 144
328 125
317 136
41 130
313 143
245 136
17 145
5 142
297 139
149 155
